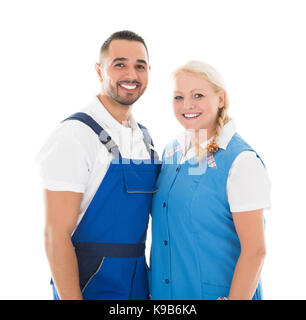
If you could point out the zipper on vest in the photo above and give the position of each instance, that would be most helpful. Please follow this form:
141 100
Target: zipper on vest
98 269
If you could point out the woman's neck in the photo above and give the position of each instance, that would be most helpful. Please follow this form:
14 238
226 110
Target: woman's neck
197 137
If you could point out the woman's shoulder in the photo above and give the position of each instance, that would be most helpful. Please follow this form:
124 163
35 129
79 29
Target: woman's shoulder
239 143
248 159
244 151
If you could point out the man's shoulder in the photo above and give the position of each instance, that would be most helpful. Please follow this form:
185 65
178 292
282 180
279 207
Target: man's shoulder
74 132
75 129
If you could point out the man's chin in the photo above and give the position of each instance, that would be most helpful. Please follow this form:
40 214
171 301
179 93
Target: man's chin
127 102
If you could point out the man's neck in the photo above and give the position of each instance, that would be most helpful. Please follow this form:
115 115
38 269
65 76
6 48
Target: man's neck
118 111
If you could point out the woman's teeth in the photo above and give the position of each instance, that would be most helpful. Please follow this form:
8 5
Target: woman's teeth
127 86
191 115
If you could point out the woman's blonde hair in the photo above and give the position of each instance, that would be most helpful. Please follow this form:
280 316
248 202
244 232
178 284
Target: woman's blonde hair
213 76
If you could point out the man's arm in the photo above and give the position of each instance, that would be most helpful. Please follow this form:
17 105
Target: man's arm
62 209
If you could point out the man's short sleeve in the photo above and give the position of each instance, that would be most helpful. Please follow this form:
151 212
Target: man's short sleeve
63 164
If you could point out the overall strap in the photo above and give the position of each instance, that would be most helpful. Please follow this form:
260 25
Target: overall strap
104 137
148 141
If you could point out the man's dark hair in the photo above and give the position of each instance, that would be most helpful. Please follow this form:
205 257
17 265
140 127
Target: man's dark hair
122 35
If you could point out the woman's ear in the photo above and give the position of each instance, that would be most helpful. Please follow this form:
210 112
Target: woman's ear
222 96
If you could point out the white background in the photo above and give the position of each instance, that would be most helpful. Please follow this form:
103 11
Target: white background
48 50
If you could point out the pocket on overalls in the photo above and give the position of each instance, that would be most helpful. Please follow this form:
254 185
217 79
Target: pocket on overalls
140 178
91 277
89 262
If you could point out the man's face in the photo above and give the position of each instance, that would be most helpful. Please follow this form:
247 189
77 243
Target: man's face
125 71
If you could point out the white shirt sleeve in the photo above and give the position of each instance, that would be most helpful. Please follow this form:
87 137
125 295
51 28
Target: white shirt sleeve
248 184
63 163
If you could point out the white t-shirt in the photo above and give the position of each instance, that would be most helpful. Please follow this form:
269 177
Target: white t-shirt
248 184
74 159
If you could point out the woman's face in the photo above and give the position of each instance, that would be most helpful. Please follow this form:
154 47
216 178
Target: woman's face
196 103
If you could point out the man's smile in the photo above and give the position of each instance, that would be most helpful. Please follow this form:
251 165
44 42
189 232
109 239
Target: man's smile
129 87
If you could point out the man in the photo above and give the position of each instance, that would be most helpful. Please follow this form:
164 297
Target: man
97 199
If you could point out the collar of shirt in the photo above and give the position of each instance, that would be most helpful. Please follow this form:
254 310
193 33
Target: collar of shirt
226 134
109 123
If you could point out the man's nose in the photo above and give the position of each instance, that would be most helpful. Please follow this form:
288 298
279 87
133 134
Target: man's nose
131 74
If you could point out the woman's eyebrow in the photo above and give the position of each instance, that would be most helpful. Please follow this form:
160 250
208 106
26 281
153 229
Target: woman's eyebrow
198 89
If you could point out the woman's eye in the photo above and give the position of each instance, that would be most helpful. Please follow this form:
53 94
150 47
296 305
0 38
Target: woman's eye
198 95
178 98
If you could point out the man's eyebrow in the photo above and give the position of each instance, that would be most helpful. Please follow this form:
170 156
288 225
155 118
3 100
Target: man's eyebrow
125 59
142 61
119 59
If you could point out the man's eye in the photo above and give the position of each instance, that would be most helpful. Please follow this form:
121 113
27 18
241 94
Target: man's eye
178 98
140 67
120 65
198 95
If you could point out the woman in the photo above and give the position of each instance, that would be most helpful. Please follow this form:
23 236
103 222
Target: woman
207 217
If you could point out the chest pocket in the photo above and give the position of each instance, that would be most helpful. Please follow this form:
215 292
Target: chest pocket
140 178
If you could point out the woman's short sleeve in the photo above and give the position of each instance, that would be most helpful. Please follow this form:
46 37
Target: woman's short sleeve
248 184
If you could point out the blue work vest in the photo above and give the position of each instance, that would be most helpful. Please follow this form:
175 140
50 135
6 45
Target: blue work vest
110 239
195 246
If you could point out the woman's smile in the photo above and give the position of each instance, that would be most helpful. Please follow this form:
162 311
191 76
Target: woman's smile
191 116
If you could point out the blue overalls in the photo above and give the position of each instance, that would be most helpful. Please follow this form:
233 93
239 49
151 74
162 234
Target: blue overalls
195 246
110 239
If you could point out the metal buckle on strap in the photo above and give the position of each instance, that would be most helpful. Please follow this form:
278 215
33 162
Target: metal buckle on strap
104 137
151 150
108 142
148 146
110 145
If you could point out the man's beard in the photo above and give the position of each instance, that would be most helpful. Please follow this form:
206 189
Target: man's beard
126 101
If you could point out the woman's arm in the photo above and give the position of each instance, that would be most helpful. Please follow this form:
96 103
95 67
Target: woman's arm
250 229
62 209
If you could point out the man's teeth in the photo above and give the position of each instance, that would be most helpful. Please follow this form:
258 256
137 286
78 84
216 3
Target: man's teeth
127 86
191 115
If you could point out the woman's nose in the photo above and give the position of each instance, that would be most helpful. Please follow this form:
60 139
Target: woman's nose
188 104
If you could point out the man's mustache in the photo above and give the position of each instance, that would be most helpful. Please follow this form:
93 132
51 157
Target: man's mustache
130 82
